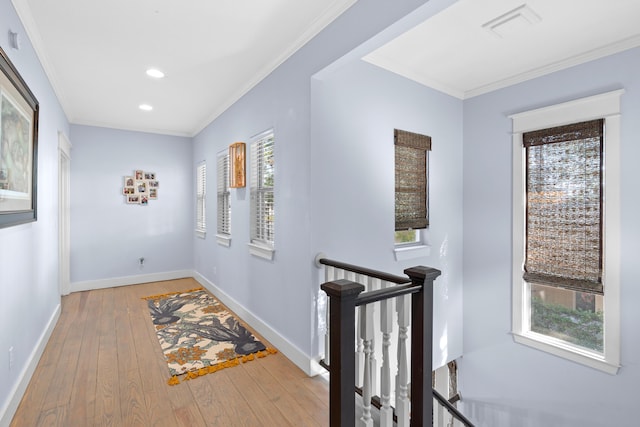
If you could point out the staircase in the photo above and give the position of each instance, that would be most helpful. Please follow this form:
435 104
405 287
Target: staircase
364 304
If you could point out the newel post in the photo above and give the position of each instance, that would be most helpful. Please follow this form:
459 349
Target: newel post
422 345
342 296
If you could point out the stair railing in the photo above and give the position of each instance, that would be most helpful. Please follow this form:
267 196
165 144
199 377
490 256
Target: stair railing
353 292
414 306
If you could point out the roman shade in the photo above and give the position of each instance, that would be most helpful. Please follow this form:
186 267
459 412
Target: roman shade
411 180
564 206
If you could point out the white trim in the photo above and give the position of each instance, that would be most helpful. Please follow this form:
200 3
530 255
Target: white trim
309 365
607 106
261 251
89 285
592 55
223 240
64 213
561 349
403 253
17 393
201 234
579 110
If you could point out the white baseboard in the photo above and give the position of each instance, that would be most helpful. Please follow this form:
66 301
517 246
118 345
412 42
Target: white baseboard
308 365
11 406
90 285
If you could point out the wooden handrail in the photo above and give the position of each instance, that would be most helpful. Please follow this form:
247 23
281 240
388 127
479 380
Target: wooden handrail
366 271
452 409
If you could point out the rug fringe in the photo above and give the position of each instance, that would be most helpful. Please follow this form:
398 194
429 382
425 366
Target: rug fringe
168 294
174 380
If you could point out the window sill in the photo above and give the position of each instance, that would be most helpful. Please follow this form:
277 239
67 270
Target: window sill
261 251
411 252
223 240
567 351
201 234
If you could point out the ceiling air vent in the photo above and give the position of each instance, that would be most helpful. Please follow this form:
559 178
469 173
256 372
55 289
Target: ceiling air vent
512 22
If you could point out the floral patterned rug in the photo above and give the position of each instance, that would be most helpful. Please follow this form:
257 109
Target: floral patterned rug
199 336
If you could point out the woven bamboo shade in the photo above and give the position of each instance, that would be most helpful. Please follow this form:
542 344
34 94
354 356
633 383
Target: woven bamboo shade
411 180
564 206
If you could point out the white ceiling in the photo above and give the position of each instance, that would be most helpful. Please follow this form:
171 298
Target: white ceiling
456 52
213 51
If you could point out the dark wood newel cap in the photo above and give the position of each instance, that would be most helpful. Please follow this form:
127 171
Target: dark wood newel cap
342 288
421 272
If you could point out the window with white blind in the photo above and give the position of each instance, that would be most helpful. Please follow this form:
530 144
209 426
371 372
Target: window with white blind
223 236
262 195
566 234
201 194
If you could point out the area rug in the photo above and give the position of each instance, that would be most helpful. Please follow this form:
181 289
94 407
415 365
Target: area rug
199 336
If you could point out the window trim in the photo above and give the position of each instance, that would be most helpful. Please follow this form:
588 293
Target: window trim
606 106
201 193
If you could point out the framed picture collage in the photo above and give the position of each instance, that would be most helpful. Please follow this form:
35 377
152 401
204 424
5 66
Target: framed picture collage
140 188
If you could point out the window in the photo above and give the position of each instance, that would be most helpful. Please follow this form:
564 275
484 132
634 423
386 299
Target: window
262 195
224 207
411 197
201 193
566 232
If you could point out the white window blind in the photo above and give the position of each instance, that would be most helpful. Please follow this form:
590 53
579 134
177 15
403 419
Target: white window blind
201 194
224 207
262 190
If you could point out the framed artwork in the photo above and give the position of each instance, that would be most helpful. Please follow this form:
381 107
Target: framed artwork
19 111
141 187
237 156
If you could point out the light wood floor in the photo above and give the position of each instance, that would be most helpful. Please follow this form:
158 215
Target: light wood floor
103 366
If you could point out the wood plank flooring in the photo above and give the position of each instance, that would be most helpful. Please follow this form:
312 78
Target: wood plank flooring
103 367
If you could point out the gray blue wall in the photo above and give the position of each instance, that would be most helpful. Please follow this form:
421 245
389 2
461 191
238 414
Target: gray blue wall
108 236
355 109
286 288
507 384
29 252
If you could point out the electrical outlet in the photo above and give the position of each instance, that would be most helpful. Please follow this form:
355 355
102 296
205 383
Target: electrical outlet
10 357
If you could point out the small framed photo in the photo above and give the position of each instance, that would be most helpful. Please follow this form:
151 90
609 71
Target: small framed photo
128 190
139 174
153 184
142 186
144 200
135 198
149 175
128 181
153 193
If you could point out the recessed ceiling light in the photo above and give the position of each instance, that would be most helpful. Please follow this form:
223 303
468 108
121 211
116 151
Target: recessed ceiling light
145 107
155 73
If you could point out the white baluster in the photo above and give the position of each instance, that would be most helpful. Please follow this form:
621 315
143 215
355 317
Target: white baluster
366 332
442 387
373 285
386 326
359 339
403 404
329 274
